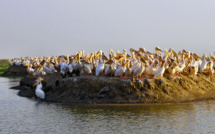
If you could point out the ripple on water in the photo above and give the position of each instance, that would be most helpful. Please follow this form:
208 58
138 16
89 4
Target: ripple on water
24 115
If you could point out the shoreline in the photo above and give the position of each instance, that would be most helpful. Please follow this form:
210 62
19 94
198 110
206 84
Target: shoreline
111 90
15 71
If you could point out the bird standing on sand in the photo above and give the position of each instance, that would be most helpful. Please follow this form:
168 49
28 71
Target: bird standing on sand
101 66
138 71
121 70
162 62
203 64
160 71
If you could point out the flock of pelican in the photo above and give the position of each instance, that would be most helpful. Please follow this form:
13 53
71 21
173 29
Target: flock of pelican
139 63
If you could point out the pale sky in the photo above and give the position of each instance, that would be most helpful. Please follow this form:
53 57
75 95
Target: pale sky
56 27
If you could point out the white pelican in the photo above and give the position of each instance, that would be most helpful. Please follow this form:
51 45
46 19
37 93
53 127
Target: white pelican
193 71
138 71
108 70
121 70
108 67
86 67
49 69
161 70
11 62
39 71
18 62
52 67
63 68
135 62
172 69
194 67
204 64
158 51
152 68
30 70
39 92
142 50
101 66
128 71
181 66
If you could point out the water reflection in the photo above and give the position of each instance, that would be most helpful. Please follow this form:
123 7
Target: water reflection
28 115
138 118
171 118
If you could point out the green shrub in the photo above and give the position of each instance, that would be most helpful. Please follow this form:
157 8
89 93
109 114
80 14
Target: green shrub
3 65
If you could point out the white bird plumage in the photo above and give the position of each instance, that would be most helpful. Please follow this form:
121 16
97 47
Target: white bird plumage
160 71
100 68
203 64
39 92
138 71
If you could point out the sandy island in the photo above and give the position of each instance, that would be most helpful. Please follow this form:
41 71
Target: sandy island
113 90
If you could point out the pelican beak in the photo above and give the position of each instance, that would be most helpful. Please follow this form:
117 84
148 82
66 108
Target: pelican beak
174 53
145 58
149 53
158 49
131 49
121 59
104 57
141 50
85 62
35 84
41 79
126 63
26 64
109 62
142 60
128 56
209 63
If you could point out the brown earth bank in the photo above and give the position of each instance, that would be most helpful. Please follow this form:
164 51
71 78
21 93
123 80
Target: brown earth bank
15 71
109 90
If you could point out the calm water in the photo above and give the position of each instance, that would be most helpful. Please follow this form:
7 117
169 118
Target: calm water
24 115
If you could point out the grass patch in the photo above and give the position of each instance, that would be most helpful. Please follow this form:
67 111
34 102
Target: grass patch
2 69
3 65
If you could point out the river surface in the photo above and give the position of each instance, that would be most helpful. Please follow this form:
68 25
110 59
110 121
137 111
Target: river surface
20 115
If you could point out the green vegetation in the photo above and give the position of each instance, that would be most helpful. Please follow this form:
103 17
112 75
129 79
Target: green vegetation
3 65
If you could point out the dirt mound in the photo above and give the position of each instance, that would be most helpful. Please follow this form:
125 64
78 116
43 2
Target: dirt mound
92 89
15 71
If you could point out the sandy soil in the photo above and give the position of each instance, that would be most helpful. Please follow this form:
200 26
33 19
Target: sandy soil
92 89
